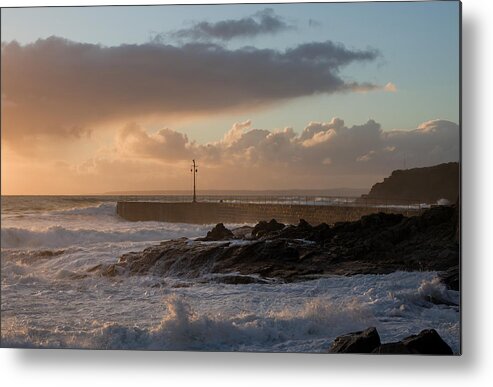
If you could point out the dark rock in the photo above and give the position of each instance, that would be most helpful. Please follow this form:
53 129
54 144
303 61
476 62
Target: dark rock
357 342
457 220
439 215
218 233
322 232
380 219
451 278
304 225
427 342
377 244
244 232
263 228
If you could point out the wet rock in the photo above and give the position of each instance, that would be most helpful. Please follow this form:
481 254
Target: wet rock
264 228
356 342
218 233
304 230
304 225
244 232
376 244
380 219
451 278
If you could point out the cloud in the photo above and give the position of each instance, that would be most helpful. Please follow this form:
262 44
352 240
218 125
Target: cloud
245 158
236 132
323 149
260 23
56 87
166 144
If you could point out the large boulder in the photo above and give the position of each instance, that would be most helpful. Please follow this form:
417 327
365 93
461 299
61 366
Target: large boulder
427 342
356 342
218 233
263 228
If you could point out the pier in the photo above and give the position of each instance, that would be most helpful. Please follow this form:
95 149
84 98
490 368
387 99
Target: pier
243 212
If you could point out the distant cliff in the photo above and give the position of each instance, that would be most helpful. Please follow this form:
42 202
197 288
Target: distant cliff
426 185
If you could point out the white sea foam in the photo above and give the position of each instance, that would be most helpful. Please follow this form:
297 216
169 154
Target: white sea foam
444 202
303 316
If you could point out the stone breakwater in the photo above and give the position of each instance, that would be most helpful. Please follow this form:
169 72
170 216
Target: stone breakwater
206 213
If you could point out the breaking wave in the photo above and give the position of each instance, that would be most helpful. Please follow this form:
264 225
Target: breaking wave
317 323
58 236
101 209
307 324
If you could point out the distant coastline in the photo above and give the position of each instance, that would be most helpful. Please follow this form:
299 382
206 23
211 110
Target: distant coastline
294 192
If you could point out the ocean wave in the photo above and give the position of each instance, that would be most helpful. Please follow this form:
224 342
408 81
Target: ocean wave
318 322
310 327
57 236
298 317
108 208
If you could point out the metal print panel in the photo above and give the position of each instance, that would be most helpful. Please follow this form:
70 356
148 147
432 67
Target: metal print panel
240 177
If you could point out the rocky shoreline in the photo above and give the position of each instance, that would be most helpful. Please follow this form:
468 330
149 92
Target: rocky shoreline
376 244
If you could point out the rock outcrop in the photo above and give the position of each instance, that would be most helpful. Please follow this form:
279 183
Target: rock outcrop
376 244
264 228
218 233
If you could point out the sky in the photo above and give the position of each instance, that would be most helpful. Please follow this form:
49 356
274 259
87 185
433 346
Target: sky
264 96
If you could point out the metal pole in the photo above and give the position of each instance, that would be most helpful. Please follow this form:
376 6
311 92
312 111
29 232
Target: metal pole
194 171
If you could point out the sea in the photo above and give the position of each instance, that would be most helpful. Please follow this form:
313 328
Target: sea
49 301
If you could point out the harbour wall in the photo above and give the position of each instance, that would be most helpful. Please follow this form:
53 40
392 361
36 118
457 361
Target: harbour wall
211 213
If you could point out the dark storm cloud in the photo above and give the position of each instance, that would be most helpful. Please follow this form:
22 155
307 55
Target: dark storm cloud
329 54
59 87
262 22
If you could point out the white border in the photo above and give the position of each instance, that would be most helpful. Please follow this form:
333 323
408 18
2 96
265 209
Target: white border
120 368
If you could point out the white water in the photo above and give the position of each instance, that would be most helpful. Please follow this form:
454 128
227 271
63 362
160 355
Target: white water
44 305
